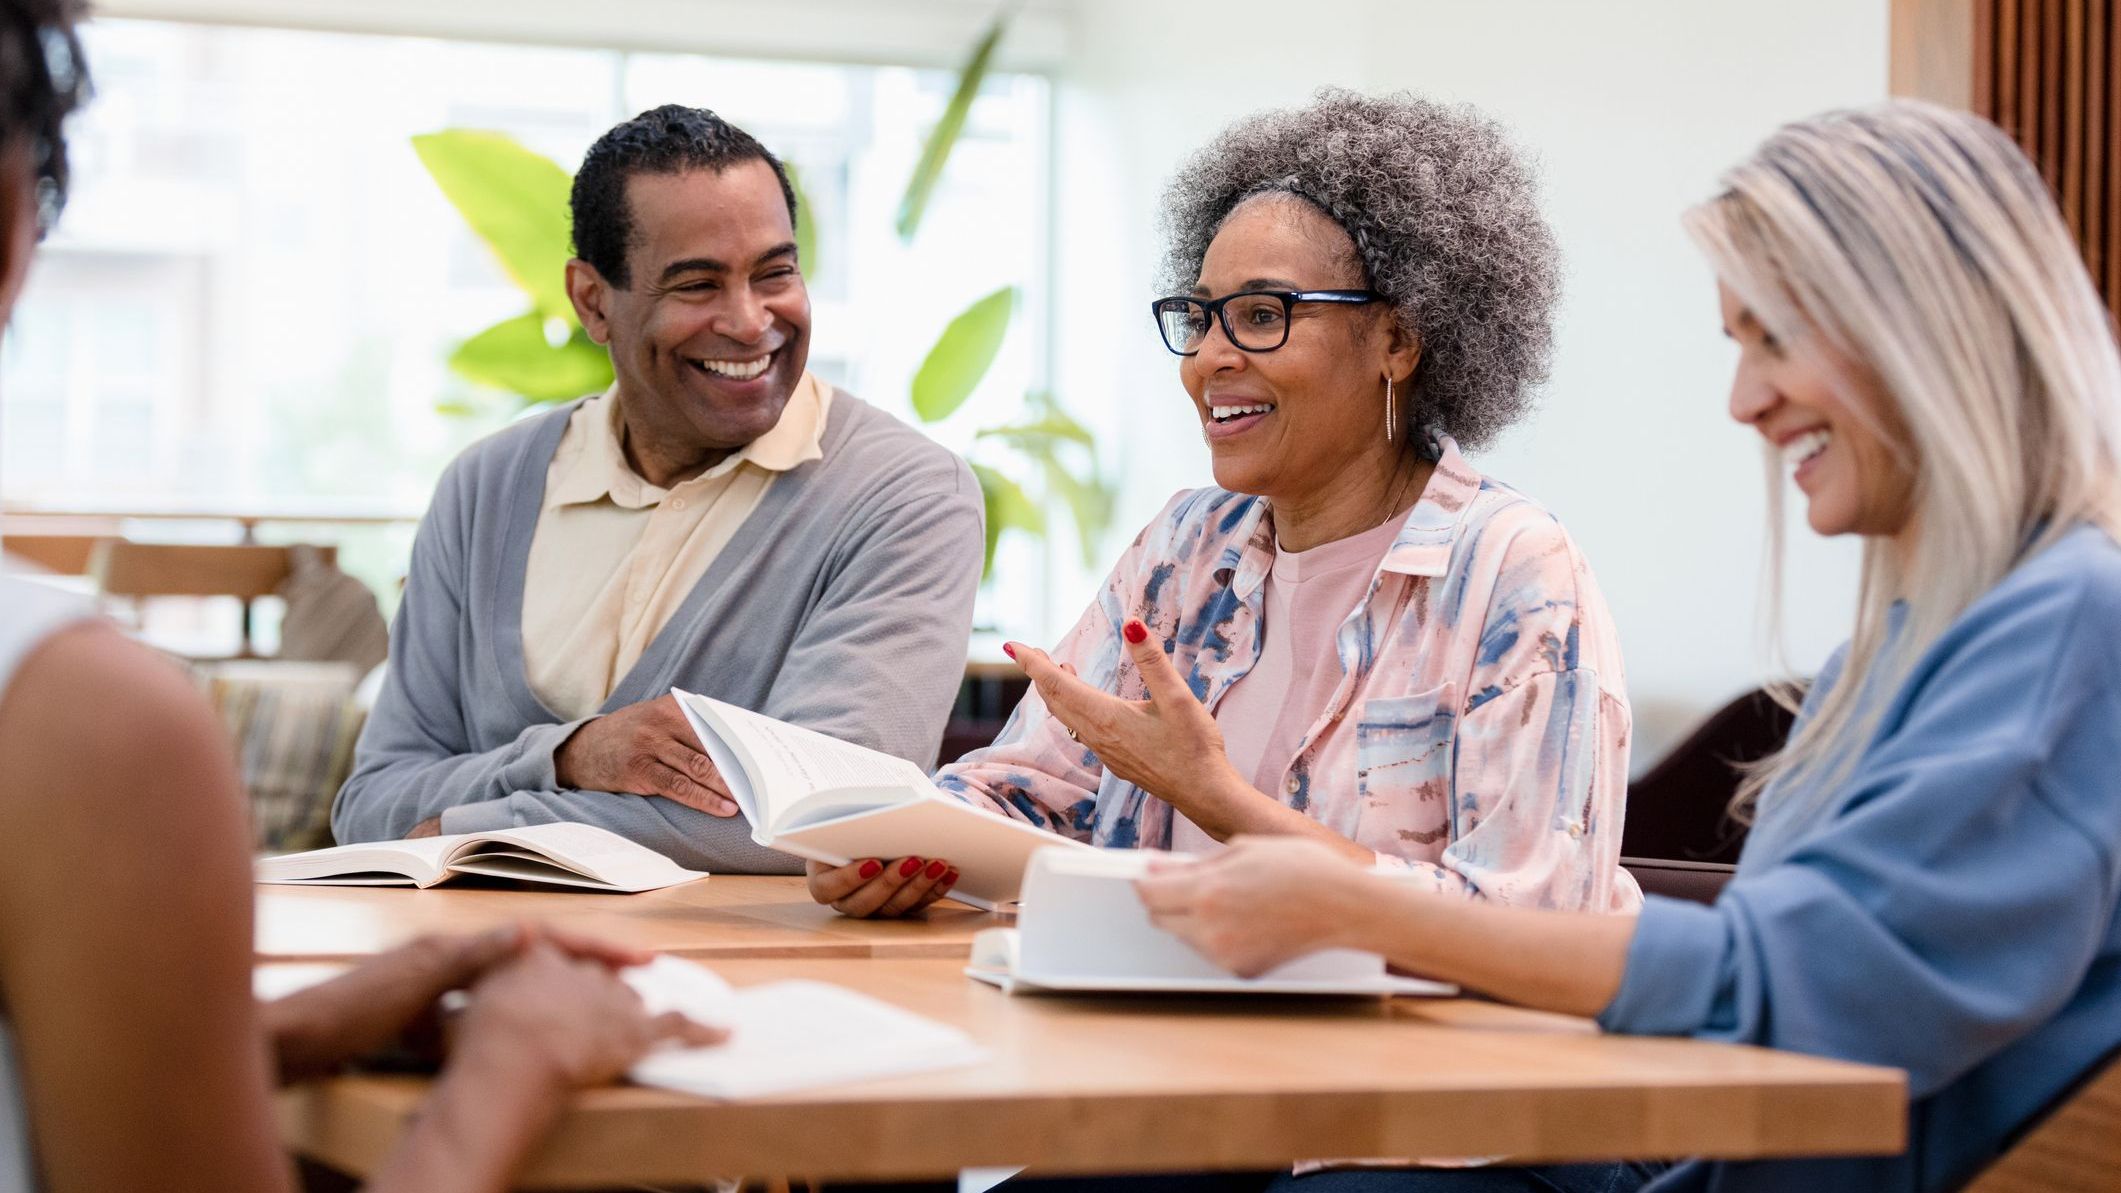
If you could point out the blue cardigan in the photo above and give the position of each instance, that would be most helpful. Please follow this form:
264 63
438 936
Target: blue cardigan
1953 912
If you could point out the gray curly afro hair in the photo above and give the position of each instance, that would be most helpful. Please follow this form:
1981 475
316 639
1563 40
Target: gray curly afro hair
1444 216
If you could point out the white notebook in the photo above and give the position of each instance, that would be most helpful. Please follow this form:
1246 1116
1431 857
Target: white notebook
832 801
787 1036
1083 928
571 855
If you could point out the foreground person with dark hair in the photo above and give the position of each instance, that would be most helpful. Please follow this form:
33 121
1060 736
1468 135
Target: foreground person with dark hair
132 1055
719 520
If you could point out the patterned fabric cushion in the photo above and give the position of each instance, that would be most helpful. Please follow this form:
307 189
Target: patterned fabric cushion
293 726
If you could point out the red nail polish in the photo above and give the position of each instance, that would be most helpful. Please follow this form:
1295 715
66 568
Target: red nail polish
1009 648
872 868
910 867
950 879
1136 632
935 870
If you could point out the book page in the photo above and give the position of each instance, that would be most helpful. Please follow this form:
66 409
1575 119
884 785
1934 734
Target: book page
420 862
605 857
785 764
787 1035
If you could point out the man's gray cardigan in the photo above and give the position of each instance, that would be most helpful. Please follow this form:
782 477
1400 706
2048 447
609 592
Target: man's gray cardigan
843 603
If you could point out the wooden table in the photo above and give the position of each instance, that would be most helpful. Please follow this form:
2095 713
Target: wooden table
1145 1083
722 917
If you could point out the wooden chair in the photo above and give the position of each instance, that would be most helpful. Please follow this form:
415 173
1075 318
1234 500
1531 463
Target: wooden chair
2076 1145
138 571
59 554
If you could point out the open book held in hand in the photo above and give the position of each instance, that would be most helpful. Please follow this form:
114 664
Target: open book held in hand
577 855
1083 929
786 1036
832 801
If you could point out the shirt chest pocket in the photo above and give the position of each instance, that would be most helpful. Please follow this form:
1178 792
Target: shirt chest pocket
1403 751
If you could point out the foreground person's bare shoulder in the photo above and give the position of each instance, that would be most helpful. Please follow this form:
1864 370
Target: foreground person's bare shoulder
125 925
106 745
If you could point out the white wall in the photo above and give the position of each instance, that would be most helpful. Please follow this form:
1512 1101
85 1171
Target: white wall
1632 110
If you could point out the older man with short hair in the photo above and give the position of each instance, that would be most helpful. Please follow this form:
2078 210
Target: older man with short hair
719 520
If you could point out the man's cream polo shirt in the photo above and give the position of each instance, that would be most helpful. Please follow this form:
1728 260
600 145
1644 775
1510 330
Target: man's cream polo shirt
614 556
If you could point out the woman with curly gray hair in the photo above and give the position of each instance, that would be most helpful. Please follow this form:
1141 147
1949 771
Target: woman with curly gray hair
1353 636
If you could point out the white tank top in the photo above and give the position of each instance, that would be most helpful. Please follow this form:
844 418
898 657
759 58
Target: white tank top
29 613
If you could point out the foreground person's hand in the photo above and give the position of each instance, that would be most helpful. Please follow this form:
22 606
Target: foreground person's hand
643 749
562 1021
872 887
392 998
537 1026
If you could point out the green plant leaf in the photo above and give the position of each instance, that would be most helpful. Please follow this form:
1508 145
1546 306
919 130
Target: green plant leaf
514 355
943 137
1089 507
1088 497
953 367
1054 427
805 224
516 200
1008 508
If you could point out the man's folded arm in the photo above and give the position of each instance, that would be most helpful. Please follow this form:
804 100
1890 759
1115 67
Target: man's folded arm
415 758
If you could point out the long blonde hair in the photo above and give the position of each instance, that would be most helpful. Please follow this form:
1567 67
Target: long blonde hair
1919 243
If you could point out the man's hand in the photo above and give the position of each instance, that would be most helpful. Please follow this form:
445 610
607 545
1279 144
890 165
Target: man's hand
644 749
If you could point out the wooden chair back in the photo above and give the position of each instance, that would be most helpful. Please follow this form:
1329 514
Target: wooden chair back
123 568
2075 1146
60 554
133 571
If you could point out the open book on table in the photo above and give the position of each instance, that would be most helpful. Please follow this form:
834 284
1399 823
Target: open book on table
575 855
1083 929
832 801
787 1035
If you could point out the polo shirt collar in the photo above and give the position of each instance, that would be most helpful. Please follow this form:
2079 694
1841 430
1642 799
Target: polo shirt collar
599 470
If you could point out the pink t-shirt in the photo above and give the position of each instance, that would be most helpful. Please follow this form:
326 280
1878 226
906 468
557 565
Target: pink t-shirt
1265 715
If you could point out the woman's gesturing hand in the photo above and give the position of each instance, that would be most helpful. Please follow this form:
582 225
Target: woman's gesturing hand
1262 902
873 887
1167 745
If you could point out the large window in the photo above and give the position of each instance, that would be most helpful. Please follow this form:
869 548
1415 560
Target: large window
250 300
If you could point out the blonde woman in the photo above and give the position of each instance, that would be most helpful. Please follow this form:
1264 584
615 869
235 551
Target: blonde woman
1931 880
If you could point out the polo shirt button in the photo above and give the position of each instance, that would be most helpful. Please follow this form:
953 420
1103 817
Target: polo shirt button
677 503
1294 785
1575 832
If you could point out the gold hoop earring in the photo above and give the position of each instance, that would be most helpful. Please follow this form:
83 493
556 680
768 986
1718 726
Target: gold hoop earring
1388 410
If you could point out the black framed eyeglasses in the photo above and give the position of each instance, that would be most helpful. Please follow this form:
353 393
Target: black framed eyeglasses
1255 320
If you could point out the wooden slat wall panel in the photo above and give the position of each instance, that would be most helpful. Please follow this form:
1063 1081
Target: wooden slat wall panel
2111 151
2049 72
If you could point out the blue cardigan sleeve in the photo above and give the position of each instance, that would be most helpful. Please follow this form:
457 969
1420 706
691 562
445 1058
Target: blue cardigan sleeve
1958 888
415 758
